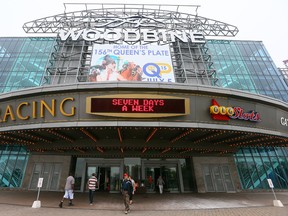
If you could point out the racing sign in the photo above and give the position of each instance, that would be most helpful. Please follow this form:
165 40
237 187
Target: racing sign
112 62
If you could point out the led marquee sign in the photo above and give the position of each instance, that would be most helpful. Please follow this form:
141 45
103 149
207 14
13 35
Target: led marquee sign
137 106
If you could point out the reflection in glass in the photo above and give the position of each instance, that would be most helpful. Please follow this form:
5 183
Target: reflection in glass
247 66
255 170
12 165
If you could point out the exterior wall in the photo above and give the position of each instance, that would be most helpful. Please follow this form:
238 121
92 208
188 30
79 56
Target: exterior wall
198 167
242 65
271 111
247 66
64 160
23 61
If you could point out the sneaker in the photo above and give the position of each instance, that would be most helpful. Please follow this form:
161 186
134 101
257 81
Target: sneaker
71 204
91 203
126 212
61 204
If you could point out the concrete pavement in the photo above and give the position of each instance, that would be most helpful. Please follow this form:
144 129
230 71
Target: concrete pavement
210 204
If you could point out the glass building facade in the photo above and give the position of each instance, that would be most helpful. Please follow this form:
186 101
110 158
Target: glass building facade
247 66
256 165
241 65
23 62
13 161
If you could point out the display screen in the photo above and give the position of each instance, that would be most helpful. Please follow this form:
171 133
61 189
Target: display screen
137 105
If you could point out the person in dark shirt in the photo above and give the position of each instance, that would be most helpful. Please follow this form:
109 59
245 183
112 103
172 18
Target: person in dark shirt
127 189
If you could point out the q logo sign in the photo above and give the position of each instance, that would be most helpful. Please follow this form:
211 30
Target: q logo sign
156 69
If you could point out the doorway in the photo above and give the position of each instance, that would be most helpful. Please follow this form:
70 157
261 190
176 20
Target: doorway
218 178
108 177
169 173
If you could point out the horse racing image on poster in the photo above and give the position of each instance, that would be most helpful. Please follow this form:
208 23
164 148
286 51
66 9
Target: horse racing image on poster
111 62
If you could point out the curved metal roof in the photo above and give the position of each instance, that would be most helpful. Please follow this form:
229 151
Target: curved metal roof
128 16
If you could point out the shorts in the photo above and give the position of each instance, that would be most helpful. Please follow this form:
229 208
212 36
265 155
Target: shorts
69 194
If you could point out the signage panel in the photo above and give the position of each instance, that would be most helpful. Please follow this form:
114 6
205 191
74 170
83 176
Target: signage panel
137 106
270 183
111 62
223 113
40 182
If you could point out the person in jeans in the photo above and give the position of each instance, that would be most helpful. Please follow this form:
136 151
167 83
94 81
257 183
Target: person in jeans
92 182
126 192
69 189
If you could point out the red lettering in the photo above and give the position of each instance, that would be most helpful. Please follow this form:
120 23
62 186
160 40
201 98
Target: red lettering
153 102
257 117
121 102
137 108
142 108
240 114
114 102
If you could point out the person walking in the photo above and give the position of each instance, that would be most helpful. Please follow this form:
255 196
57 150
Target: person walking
133 190
69 190
160 183
91 183
126 192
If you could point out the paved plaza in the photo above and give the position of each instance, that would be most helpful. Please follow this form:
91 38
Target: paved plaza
210 204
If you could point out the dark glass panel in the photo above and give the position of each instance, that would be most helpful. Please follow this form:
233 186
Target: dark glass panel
12 166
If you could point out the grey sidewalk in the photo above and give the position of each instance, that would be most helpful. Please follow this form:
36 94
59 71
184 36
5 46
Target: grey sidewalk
214 204
44 211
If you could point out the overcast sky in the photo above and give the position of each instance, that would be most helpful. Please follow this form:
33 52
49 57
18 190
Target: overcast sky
260 20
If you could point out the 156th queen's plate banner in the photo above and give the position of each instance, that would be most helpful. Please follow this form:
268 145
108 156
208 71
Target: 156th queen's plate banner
149 63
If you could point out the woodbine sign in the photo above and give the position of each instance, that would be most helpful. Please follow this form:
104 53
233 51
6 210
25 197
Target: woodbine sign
134 28
132 36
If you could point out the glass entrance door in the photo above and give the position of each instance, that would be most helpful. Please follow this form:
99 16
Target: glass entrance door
108 177
150 181
103 176
169 174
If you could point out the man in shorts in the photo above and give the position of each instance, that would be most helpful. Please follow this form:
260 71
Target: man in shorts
69 190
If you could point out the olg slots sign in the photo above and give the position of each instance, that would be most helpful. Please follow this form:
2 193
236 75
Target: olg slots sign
224 113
